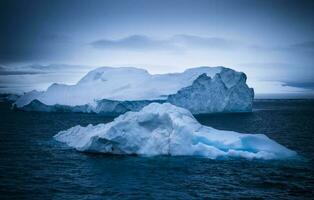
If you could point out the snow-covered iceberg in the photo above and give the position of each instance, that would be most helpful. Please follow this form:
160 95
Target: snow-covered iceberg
115 91
165 129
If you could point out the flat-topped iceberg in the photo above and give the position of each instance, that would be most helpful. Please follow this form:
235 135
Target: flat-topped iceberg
109 90
165 129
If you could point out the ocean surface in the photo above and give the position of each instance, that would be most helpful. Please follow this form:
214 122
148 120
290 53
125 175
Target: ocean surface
34 166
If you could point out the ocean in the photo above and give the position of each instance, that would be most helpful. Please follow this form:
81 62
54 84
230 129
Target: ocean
34 166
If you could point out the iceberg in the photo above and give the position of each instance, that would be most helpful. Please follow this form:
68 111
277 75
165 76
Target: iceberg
114 91
165 129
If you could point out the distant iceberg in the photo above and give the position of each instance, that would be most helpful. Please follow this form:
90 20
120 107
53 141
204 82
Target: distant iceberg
114 91
165 129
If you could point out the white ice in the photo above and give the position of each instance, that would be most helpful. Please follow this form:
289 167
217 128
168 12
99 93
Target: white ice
117 83
164 129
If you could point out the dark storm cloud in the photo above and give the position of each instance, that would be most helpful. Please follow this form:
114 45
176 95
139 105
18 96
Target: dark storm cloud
176 42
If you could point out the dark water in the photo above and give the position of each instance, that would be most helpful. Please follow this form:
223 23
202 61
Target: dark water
34 166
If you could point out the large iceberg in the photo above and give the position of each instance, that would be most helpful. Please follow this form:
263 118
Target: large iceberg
115 91
165 129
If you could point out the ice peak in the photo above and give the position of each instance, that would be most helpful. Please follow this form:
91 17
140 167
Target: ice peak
105 73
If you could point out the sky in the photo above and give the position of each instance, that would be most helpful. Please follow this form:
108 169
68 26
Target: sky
42 42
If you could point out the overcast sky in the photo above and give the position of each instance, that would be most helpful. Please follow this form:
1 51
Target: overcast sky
42 42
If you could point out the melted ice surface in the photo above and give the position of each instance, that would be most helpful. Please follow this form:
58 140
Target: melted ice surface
164 129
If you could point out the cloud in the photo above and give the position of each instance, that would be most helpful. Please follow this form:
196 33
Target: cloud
7 71
185 42
205 42
54 67
176 42
41 69
3 72
308 45
305 85
133 42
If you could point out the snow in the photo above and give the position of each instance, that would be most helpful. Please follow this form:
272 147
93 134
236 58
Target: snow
104 88
165 129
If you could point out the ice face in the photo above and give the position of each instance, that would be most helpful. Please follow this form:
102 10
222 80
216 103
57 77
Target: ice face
226 92
165 129
117 90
